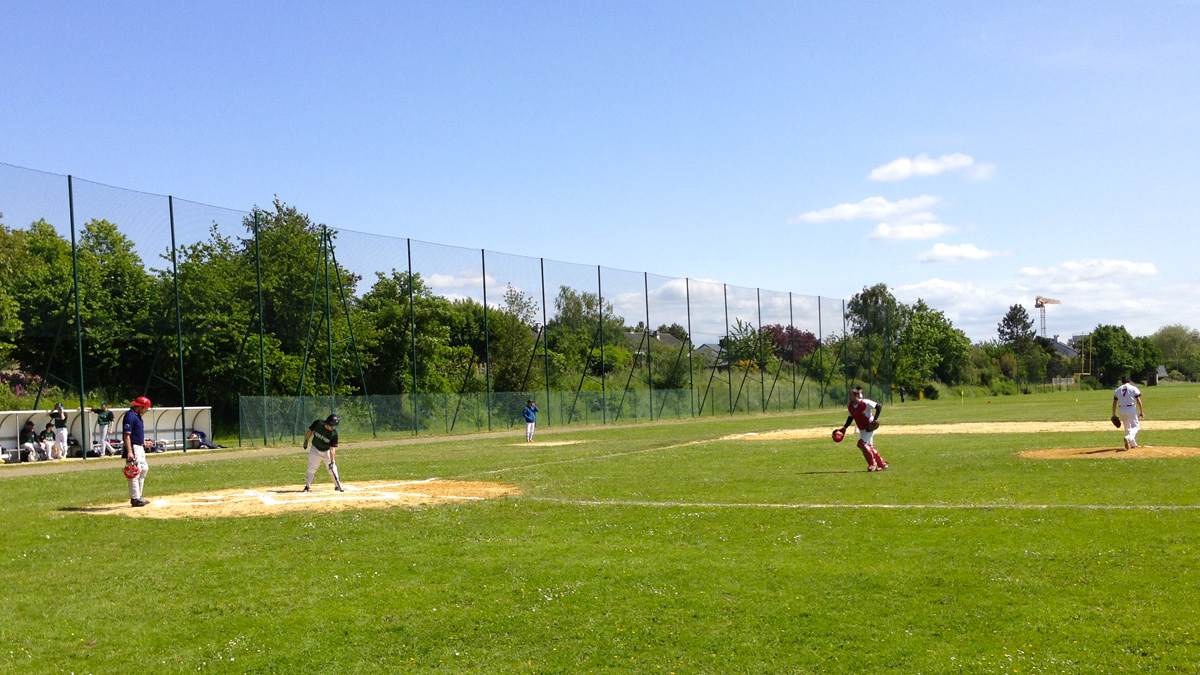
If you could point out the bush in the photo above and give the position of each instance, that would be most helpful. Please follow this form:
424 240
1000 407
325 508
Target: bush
930 392
1003 387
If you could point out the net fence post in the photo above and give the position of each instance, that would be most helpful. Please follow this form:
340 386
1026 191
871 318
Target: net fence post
178 325
728 365
85 432
603 370
649 363
687 290
545 338
262 349
412 332
487 347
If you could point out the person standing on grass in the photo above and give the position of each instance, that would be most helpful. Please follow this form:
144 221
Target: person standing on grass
104 424
530 412
860 414
1127 404
133 441
59 417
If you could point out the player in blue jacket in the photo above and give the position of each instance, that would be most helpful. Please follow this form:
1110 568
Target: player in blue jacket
530 412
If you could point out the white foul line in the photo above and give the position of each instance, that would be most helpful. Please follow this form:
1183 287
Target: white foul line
586 458
768 505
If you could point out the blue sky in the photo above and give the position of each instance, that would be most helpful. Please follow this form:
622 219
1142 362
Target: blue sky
971 154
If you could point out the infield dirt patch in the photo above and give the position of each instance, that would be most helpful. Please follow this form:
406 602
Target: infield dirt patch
1140 452
264 501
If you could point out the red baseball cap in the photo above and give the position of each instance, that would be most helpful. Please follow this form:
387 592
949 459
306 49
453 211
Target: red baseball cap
142 401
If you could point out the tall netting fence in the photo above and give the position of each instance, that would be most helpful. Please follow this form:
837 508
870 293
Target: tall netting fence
273 321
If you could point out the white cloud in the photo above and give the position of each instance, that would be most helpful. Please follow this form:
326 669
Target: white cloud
948 253
924 165
1093 292
871 208
1090 270
911 231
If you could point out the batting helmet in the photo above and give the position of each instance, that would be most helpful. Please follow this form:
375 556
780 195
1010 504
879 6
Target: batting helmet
131 471
838 435
333 420
142 401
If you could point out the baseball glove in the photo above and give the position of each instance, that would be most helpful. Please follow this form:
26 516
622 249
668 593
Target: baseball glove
838 435
873 425
131 471
1116 421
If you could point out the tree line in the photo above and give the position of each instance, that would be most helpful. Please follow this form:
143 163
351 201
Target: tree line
394 335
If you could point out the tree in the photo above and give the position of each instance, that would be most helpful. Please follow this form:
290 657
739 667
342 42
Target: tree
1180 347
1016 328
675 330
790 344
1115 354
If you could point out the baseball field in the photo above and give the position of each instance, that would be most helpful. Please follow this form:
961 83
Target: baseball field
1007 536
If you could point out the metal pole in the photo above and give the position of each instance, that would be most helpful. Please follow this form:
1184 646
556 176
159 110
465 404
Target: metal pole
821 354
691 345
86 433
649 364
728 366
412 331
845 357
326 243
545 338
791 345
762 368
487 346
603 370
262 333
178 326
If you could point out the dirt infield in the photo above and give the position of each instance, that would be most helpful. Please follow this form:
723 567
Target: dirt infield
1140 452
240 502
971 428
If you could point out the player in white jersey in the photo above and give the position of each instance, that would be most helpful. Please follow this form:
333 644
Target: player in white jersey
1127 404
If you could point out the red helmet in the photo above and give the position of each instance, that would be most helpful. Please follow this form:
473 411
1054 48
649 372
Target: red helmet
131 471
838 435
142 401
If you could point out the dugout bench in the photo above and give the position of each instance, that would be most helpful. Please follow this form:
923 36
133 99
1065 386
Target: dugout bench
168 426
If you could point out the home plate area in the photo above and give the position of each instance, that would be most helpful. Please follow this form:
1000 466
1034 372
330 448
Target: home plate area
239 502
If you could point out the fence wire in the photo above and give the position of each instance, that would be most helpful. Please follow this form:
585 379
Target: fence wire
274 321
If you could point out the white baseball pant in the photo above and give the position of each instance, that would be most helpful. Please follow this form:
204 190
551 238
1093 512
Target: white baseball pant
316 458
1129 418
137 484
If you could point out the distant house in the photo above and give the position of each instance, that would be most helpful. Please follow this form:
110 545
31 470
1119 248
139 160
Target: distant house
637 340
1065 351
711 351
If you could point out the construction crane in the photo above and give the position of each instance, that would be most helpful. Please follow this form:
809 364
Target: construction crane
1040 303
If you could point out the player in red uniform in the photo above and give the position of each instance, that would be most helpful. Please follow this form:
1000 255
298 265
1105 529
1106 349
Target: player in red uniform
860 414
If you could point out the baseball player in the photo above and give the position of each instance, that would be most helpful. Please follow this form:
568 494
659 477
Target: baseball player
104 425
860 414
530 412
1127 404
324 448
59 416
27 440
133 439
47 438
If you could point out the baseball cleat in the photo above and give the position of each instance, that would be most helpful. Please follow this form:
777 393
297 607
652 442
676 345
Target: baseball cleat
882 466
306 489
1126 445
138 502
340 488
872 467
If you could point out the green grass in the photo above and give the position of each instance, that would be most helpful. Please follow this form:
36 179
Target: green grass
647 549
